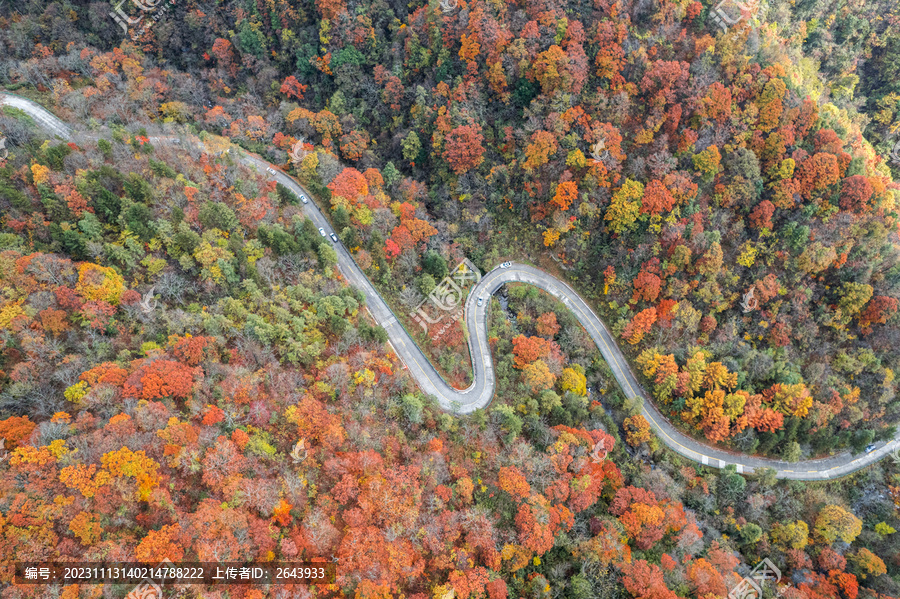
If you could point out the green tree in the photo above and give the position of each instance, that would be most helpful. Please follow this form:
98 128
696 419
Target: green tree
580 588
350 237
751 533
767 477
285 195
328 257
861 439
390 173
137 188
138 218
341 218
434 264
216 215
792 452
413 408
731 485
411 146
426 284
509 422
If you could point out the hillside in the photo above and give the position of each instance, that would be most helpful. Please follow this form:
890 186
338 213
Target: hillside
185 373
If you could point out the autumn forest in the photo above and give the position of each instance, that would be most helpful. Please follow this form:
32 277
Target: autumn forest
186 374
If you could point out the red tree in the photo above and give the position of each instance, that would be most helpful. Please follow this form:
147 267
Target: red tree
293 88
646 287
224 52
349 184
15 430
546 325
463 149
160 378
639 326
880 309
645 581
761 217
528 349
856 191
513 482
566 192
657 199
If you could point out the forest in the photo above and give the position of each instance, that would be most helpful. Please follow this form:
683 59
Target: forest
184 374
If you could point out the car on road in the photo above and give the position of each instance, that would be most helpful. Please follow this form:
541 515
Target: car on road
506 265
870 448
333 237
321 231
270 169
480 301
303 199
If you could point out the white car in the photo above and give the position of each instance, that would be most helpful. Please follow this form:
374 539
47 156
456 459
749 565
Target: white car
270 169
303 199
506 265
333 237
480 301
321 231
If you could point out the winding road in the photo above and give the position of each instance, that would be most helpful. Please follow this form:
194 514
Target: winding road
479 394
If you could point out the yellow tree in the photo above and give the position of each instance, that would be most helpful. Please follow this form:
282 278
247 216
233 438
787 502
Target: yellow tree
538 376
86 527
573 380
717 376
637 430
834 522
795 536
625 207
133 464
708 162
99 283
868 563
